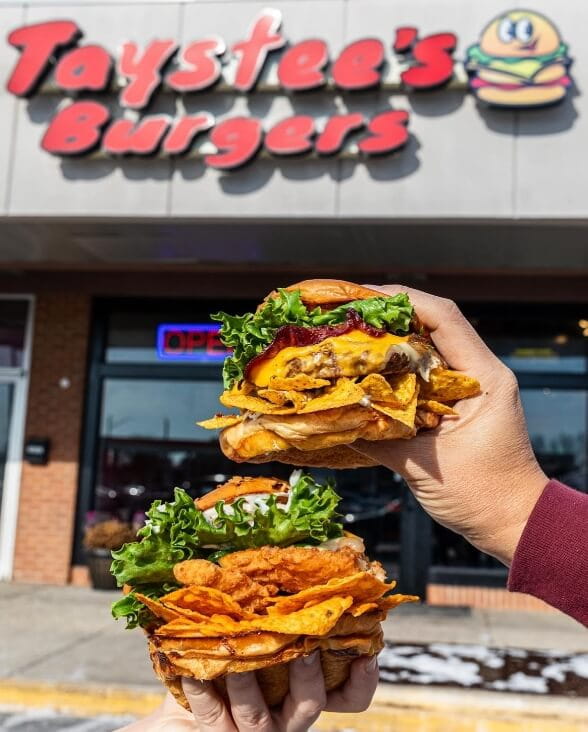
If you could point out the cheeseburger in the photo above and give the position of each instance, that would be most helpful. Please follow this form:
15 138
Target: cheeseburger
248 578
520 61
324 363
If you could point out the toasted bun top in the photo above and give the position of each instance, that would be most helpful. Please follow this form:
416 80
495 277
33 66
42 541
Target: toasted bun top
329 292
238 486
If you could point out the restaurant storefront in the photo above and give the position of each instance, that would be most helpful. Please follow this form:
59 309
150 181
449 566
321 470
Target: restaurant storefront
346 139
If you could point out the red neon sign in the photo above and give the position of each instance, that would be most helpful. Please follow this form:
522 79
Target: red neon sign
190 342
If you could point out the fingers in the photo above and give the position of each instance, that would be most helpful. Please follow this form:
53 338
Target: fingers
248 707
393 454
356 695
454 336
307 696
207 707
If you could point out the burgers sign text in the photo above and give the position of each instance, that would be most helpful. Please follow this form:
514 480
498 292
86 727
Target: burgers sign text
519 61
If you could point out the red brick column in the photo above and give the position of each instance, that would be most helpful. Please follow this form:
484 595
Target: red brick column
48 493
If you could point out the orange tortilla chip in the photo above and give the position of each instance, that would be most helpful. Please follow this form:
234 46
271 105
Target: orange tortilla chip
204 600
316 620
361 586
398 391
342 394
220 421
362 608
276 396
392 601
405 415
159 610
216 626
183 612
236 398
445 385
430 405
300 382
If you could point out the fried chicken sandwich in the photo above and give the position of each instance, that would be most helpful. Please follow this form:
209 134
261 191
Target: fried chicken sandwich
324 363
250 577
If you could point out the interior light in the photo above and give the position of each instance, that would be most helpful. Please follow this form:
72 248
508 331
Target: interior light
585 332
583 323
561 338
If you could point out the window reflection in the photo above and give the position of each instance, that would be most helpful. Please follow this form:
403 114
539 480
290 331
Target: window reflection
528 339
556 420
13 319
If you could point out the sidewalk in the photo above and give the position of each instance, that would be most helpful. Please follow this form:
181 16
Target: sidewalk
60 643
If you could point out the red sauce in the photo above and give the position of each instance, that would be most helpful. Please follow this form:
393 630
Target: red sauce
299 335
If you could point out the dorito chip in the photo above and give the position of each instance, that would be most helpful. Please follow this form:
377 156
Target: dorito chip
159 610
315 620
236 398
361 586
300 382
445 385
361 608
342 394
397 392
430 405
405 415
392 601
220 421
275 396
204 600
216 626
183 612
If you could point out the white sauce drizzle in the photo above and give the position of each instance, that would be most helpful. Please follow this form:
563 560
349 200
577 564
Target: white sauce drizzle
251 502
421 362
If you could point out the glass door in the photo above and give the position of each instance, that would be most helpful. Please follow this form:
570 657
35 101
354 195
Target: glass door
6 409
15 334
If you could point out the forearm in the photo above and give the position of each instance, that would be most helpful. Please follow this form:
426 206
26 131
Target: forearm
551 559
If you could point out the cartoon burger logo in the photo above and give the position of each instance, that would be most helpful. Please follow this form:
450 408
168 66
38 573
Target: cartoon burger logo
520 61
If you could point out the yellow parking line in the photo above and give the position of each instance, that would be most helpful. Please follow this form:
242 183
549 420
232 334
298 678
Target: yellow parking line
84 701
395 709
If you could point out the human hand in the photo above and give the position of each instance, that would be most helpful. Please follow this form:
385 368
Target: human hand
247 710
475 474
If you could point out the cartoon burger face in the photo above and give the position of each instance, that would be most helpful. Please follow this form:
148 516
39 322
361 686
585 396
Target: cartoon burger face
520 61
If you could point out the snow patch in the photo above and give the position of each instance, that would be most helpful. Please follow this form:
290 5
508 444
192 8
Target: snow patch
429 669
521 682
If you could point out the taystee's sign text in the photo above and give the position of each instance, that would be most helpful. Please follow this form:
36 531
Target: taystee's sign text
520 61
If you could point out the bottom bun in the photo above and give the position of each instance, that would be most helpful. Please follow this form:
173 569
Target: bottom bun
529 96
274 680
340 456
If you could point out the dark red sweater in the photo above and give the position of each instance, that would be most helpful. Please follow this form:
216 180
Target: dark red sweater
551 560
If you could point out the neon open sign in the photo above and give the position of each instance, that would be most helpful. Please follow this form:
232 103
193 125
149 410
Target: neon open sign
198 342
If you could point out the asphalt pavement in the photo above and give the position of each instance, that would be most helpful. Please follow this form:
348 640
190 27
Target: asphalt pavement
48 721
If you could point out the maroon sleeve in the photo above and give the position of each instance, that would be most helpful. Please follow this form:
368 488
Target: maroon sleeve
551 559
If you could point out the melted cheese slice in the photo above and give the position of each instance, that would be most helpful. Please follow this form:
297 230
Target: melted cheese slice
355 353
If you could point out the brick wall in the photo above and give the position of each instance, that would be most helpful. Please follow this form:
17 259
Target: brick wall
483 597
48 493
